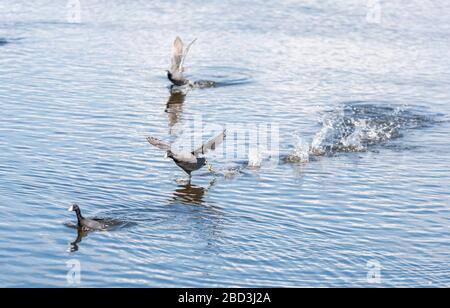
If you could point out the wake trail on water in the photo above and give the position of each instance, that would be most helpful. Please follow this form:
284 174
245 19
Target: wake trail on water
358 126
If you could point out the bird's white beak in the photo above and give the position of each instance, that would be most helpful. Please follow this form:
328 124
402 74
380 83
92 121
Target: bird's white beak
166 156
70 209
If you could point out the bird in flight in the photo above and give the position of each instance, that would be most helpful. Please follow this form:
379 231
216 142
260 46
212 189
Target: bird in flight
175 74
189 161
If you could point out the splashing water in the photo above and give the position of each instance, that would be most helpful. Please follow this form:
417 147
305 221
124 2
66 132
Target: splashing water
254 158
300 153
232 172
356 127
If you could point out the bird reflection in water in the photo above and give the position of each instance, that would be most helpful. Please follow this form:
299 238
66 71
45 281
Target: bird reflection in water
74 246
114 225
207 221
174 110
191 194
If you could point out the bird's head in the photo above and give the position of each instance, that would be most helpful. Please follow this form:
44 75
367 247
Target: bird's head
74 208
169 154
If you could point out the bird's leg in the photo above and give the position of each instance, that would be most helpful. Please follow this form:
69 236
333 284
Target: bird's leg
210 167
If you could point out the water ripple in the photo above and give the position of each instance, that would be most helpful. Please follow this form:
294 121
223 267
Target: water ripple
78 100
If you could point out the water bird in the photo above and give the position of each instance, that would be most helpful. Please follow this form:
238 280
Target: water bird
89 224
175 74
188 161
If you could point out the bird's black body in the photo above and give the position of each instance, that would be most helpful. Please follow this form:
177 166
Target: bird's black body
179 82
188 161
88 224
188 165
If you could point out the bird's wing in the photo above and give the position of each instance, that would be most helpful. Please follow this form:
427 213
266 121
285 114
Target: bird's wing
186 52
159 143
177 56
211 145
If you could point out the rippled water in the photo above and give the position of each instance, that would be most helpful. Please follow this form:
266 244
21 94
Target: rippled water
363 115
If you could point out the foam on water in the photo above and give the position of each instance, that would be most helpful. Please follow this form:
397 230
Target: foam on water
255 158
223 76
78 101
357 126
301 152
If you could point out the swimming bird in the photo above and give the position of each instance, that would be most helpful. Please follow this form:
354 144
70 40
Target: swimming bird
175 74
88 224
188 161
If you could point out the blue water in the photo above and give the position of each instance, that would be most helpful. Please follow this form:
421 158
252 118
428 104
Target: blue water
363 113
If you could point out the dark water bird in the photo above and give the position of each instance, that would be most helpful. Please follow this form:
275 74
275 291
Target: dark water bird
188 161
89 224
3 41
175 74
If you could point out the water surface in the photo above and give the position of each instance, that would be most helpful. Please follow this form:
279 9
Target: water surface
363 115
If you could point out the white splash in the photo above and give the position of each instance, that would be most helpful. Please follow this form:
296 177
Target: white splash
301 151
325 139
354 141
255 158
354 128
